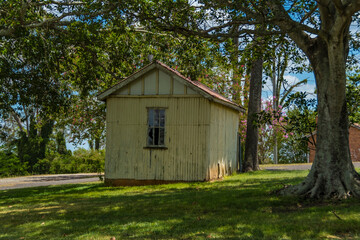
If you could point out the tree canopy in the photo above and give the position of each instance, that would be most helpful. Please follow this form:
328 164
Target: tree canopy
42 40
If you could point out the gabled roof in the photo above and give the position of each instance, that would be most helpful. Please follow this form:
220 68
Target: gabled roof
194 85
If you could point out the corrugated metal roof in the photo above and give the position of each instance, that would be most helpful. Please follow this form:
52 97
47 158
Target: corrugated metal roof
197 86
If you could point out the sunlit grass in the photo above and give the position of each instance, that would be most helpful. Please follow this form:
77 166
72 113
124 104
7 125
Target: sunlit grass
239 207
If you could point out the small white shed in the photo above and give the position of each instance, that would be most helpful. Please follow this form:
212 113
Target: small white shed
162 127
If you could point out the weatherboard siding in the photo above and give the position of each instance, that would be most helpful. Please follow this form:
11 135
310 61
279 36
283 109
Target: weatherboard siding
186 133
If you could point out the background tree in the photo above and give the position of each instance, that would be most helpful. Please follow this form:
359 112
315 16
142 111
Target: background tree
353 98
281 52
321 29
58 55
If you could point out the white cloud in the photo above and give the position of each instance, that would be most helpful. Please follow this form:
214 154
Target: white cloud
291 80
309 87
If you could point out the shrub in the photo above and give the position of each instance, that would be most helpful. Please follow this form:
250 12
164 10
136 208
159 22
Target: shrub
42 166
82 161
10 165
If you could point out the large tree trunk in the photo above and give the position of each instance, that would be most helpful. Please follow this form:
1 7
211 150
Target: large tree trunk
332 174
251 162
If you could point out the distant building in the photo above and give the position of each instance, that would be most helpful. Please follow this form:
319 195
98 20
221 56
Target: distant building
354 143
162 127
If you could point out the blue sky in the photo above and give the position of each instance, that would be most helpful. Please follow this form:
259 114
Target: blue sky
293 79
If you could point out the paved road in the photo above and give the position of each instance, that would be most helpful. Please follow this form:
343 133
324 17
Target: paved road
303 166
59 179
47 180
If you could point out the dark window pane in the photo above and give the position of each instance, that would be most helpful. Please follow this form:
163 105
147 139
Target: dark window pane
156 127
150 139
156 136
162 118
151 117
157 117
161 136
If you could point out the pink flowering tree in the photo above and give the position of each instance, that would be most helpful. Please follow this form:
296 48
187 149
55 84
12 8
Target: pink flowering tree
291 124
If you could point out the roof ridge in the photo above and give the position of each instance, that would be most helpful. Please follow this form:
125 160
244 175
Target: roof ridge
204 90
196 83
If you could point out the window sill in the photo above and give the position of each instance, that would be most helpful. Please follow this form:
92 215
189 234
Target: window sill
156 147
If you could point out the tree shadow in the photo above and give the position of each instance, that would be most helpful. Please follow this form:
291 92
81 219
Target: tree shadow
229 209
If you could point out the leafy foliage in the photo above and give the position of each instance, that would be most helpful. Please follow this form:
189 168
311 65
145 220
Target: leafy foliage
10 165
81 161
353 98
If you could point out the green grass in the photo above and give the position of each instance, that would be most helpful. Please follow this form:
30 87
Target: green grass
239 207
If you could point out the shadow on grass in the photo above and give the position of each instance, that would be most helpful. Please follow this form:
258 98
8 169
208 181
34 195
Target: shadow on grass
240 207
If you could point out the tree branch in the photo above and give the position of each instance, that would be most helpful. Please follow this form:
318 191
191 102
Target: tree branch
294 29
16 118
44 3
351 7
54 21
308 14
339 6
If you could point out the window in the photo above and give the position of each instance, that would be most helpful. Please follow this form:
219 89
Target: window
156 127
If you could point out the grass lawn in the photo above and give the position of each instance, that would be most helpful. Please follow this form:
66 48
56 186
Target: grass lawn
239 207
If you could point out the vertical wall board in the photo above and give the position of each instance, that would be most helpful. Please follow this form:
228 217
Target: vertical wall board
171 85
136 87
122 91
178 88
164 83
142 86
156 82
187 126
224 125
150 83
191 92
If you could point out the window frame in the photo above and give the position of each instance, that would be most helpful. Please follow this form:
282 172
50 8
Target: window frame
153 127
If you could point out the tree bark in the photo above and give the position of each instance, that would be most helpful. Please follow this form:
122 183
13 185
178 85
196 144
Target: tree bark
251 162
275 107
332 174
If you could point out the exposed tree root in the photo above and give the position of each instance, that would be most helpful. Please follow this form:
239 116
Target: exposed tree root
333 185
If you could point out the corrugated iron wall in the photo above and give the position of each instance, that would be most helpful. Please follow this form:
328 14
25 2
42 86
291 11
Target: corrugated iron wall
187 131
223 141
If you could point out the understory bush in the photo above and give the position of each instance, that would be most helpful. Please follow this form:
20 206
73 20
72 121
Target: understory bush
10 165
81 161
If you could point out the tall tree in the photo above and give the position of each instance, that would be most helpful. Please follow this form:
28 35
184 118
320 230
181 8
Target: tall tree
251 161
77 49
321 29
281 52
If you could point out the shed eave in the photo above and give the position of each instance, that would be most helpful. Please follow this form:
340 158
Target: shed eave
237 108
187 82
